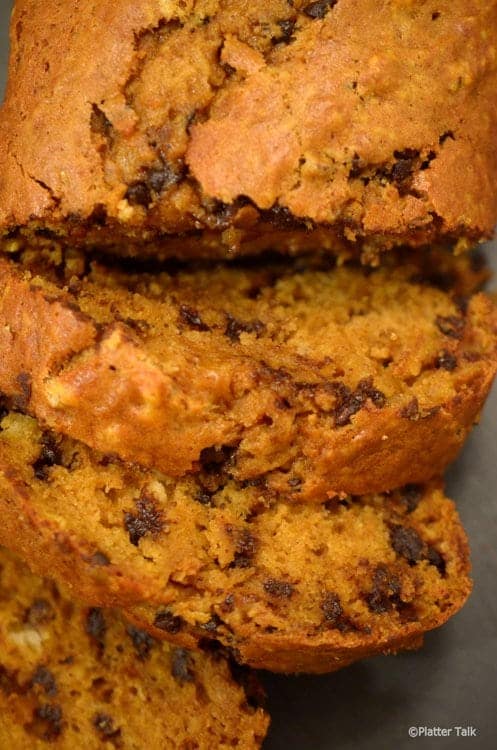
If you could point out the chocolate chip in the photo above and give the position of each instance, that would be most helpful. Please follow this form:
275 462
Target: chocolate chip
450 325
366 389
104 724
191 318
39 613
404 165
378 602
411 494
245 546
100 124
138 194
425 164
385 592
406 153
319 8
182 666
347 408
234 328
212 625
95 626
204 497
411 410
153 181
349 403
160 178
214 458
21 400
260 482
402 170
167 621
287 27
332 609
142 641
47 722
50 455
228 69
435 558
241 561
446 361
406 542
98 217
44 677
477 260
282 218
229 604
448 133
357 166
148 520
280 589
223 212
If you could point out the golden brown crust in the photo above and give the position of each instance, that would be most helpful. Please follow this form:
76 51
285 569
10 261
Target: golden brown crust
315 382
74 676
285 586
287 128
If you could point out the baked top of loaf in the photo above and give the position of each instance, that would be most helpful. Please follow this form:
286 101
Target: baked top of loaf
315 382
286 586
74 677
237 126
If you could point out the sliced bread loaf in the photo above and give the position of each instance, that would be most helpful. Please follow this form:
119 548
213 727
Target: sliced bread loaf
285 586
78 677
216 128
316 382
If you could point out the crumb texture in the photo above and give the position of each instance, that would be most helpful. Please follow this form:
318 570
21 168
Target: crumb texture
284 586
74 676
310 381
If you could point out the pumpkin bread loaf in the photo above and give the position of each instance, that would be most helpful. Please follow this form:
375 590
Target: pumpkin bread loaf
216 128
284 586
315 382
77 677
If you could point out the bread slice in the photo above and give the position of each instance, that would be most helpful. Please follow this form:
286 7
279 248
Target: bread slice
74 677
315 382
285 586
208 128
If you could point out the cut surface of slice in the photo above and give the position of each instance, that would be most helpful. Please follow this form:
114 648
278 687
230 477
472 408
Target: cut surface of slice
315 382
285 586
218 128
74 676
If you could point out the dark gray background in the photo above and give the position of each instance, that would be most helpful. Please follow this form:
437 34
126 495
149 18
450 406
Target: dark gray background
450 682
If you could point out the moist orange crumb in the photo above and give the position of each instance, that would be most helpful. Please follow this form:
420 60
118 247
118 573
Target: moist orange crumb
285 586
313 381
73 676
